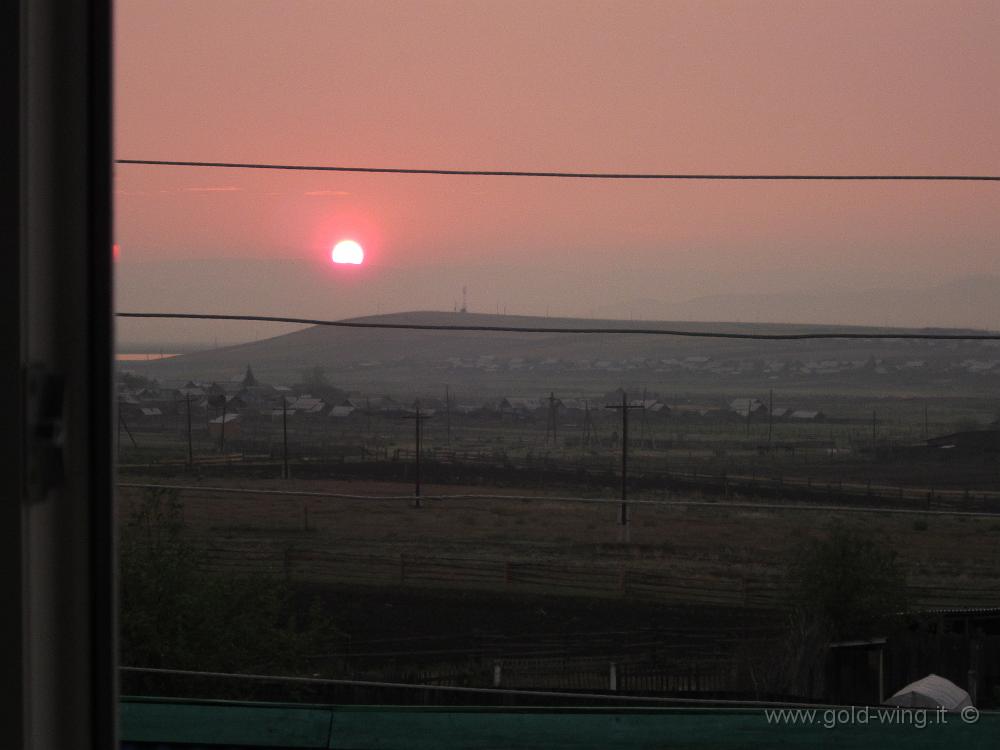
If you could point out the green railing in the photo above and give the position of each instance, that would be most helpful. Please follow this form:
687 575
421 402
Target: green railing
150 722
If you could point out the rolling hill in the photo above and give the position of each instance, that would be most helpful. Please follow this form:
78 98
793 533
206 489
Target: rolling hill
403 361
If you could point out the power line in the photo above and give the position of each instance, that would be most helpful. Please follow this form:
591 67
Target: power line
564 329
563 499
464 689
572 175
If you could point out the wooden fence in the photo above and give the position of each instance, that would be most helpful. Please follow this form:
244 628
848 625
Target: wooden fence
596 578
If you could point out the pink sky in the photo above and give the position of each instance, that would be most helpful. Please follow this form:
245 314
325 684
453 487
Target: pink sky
886 87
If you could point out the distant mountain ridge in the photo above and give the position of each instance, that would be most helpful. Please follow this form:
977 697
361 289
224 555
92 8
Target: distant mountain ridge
390 359
308 289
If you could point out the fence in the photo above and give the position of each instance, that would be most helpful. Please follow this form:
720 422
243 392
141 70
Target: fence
451 467
635 675
312 564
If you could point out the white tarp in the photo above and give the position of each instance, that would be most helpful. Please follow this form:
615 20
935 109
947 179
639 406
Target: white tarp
931 691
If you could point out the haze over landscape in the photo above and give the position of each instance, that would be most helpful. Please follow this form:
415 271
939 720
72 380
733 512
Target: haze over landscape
257 287
804 520
854 87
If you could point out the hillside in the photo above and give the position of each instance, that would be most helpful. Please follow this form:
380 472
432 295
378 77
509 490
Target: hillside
414 361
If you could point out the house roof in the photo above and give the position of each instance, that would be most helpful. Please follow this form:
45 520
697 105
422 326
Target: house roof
648 403
308 405
528 404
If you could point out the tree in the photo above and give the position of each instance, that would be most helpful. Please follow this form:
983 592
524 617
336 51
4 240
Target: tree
839 586
846 581
175 614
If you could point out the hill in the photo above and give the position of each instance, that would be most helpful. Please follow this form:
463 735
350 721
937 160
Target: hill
402 361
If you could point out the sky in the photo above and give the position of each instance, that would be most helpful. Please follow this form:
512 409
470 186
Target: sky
842 87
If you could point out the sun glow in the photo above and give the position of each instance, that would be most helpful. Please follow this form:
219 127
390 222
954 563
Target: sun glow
348 251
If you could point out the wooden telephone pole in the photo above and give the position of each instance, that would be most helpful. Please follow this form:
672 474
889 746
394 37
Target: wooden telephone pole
222 426
770 417
284 436
623 514
447 413
418 420
187 398
550 424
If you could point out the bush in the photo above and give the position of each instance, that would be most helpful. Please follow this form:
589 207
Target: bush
174 614
845 582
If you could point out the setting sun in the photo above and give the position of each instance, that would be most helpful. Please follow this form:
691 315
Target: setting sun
348 251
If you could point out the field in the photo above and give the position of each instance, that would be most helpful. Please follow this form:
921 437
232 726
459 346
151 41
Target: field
514 569
445 591
733 557
874 445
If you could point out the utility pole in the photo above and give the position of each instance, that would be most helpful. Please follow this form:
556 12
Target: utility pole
926 432
368 418
550 425
222 426
770 417
187 398
284 436
642 424
874 432
623 514
447 413
418 419
587 427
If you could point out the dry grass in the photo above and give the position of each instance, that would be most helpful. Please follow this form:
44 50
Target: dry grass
691 552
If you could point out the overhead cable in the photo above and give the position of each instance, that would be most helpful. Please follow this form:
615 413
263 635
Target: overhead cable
569 175
354 323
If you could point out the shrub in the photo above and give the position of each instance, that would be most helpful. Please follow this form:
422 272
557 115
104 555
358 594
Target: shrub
846 581
175 614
